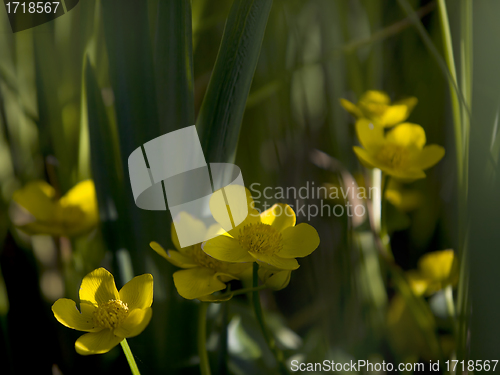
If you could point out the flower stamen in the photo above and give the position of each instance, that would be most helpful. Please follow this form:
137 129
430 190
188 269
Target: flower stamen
110 314
260 238
393 156
205 260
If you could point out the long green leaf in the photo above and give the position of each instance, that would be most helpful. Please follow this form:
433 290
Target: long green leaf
132 74
104 157
132 79
53 140
222 109
483 334
173 60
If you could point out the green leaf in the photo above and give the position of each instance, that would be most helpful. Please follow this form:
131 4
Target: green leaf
173 60
104 159
132 78
131 72
53 138
222 109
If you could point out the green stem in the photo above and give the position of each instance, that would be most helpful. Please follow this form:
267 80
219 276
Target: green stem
379 204
202 339
130 357
243 291
450 305
461 117
271 343
384 233
417 306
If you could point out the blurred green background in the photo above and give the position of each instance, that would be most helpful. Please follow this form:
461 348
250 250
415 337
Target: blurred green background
262 81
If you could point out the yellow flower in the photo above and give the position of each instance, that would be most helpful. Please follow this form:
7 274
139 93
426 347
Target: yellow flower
376 107
73 214
107 315
271 239
403 199
435 271
400 153
202 275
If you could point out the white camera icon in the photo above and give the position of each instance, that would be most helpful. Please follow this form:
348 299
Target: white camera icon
211 193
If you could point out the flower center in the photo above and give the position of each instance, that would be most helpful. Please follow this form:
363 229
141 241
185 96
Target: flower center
260 238
110 314
204 260
393 156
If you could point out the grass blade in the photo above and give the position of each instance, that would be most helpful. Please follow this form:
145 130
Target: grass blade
174 65
222 109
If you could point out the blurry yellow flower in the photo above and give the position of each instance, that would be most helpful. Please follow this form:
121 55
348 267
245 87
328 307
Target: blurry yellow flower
403 199
73 214
400 153
202 275
271 239
435 271
376 106
108 315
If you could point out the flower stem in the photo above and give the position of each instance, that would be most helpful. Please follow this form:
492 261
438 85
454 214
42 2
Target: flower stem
243 291
130 357
202 339
384 233
417 306
271 343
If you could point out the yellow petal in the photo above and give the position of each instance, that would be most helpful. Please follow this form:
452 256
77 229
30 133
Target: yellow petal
279 216
188 223
80 193
370 136
410 103
175 257
138 292
406 175
299 241
276 280
197 282
236 269
275 262
403 199
98 287
37 198
216 298
394 115
365 157
227 249
136 321
375 96
429 156
351 108
68 315
418 283
407 135
79 207
231 205
97 342
438 265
